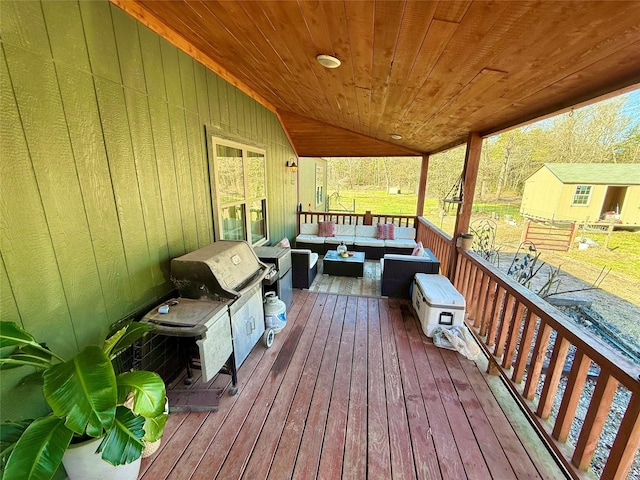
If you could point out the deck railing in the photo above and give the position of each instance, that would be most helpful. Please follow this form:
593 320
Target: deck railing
367 218
435 240
528 342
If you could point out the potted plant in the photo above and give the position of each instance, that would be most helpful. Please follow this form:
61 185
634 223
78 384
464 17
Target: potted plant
89 402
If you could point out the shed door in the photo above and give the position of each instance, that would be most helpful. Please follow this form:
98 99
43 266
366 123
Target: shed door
612 205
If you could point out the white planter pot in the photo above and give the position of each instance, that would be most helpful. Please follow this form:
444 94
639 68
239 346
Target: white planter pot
82 463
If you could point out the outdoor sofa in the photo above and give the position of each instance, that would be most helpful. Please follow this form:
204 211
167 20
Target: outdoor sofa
362 238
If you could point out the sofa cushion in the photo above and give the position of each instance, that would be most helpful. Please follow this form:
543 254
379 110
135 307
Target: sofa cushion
345 230
386 231
418 251
326 229
310 239
400 243
370 231
369 242
309 229
405 232
313 257
339 239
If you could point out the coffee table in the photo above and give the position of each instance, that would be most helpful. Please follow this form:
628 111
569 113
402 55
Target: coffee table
334 264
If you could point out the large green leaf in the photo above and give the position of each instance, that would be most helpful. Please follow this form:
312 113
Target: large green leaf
84 391
38 453
25 355
153 427
18 347
10 433
123 442
125 337
11 335
148 392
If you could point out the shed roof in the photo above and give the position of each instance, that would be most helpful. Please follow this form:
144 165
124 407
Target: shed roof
596 173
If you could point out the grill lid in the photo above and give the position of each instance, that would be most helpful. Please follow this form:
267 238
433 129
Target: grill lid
185 317
221 269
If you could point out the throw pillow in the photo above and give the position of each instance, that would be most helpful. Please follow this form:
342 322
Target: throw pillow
418 251
326 229
284 243
386 231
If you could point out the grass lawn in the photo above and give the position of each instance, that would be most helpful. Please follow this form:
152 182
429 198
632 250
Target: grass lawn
622 255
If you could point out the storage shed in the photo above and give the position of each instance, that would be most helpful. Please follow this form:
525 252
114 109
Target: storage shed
593 193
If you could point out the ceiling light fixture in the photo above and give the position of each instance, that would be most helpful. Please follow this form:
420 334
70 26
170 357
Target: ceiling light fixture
328 61
396 136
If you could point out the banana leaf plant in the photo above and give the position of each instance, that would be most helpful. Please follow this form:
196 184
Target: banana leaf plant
88 400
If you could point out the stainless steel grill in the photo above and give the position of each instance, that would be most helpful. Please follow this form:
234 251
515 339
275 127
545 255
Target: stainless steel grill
220 305
227 271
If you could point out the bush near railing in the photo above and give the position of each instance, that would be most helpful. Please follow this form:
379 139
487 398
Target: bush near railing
522 334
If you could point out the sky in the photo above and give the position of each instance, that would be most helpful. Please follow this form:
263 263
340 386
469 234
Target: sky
632 105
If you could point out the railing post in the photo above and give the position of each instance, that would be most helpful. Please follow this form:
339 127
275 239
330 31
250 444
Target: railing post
422 186
469 177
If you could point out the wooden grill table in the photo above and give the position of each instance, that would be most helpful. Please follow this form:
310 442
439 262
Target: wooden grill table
352 266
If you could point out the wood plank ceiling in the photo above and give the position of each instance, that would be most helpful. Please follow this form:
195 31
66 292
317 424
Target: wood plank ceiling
431 71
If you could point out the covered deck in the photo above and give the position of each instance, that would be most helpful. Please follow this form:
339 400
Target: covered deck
351 388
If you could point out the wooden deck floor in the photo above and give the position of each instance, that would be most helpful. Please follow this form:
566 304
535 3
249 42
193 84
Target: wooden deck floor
350 389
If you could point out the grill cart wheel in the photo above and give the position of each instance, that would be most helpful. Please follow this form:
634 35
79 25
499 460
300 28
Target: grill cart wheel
268 337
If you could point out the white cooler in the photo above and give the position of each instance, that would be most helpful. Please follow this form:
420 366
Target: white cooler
437 302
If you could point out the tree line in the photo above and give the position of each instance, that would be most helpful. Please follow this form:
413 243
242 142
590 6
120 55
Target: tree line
599 133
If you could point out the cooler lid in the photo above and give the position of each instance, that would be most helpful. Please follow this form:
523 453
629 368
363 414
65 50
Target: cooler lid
438 291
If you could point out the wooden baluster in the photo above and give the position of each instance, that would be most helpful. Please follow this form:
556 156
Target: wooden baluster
490 305
626 443
459 266
594 420
465 278
497 313
537 360
552 378
571 397
525 346
514 334
505 325
482 300
475 295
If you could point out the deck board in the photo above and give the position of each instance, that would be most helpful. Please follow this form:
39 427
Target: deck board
351 388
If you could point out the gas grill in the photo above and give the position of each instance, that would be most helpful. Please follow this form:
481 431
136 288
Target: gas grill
220 305
227 271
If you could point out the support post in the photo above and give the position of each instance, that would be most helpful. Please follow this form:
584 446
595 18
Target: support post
422 186
469 177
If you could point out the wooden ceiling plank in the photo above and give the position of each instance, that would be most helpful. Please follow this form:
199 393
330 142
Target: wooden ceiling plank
563 95
315 18
413 31
290 30
364 109
452 11
319 139
465 103
458 66
579 55
387 21
360 22
252 31
336 20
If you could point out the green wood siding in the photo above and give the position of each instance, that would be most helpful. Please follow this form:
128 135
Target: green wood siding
104 170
